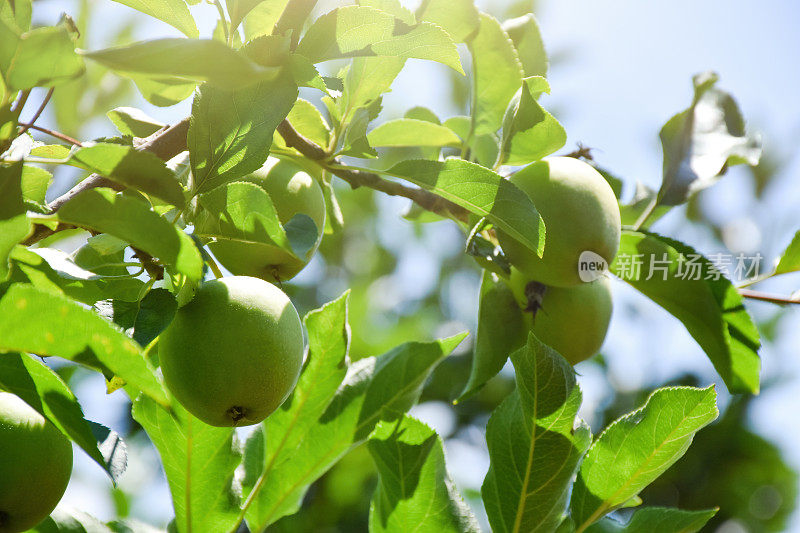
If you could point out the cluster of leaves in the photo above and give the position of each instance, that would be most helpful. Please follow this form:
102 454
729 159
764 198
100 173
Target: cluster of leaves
245 83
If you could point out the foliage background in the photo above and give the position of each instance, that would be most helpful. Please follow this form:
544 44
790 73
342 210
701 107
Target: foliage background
618 72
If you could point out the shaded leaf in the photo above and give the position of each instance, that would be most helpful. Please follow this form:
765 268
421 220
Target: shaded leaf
459 18
43 389
480 191
49 324
701 142
42 57
529 131
534 443
637 448
144 319
163 91
656 520
231 131
133 221
527 39
711 309
414 491
133 122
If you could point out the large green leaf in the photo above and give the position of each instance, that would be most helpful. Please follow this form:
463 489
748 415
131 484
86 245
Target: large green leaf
701 142
790 258
48 324
133 221
459 18
480 191
375 389
501 331
133 168
497 75
414 491
393 7
173 12
231 131
190 59
534 444
688 286
306 119
656 520
529 131
357 31
527 39
142 319
163 91
14 223
43 389
42 57
323 371
199 461
412 132
637 448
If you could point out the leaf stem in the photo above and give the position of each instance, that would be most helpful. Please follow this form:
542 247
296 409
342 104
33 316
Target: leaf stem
38 113
224 22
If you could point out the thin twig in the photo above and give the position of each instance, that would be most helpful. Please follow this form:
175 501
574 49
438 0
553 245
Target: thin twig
772 298
21 101
52 133
38 113
357 178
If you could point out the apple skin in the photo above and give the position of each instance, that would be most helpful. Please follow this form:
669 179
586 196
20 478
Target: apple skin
233 354
580 213
292 192
35 465
571 320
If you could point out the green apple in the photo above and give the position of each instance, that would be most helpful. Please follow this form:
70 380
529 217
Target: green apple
580 214
292 192
571 320
233 354
35 465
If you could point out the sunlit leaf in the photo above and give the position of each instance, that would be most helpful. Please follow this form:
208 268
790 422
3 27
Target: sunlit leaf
133 122
790 258
527 39
14 223
173 12
412 132
656 520
41 57
459 18
529 131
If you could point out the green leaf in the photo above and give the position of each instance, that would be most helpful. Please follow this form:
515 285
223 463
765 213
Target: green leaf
48 324
163 91
43 389
190 59
393 7
483 149
412 132
530 132
173 12
199 461
375 389
711 309
35 182
637 448
656 520
17 14
534 443
323 371
14 223
306 119
133 221
133 168
231 131
459 18
527 39
143 319
790 258
42 57
358 31
243 212
238 9
642 198
133 122
66 520
480 191
51 270
701 142
501 331
262 18
497 75
414 491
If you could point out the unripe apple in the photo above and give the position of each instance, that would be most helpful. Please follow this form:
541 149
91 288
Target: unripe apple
233 354
580 214
571 320
35 465
292 192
